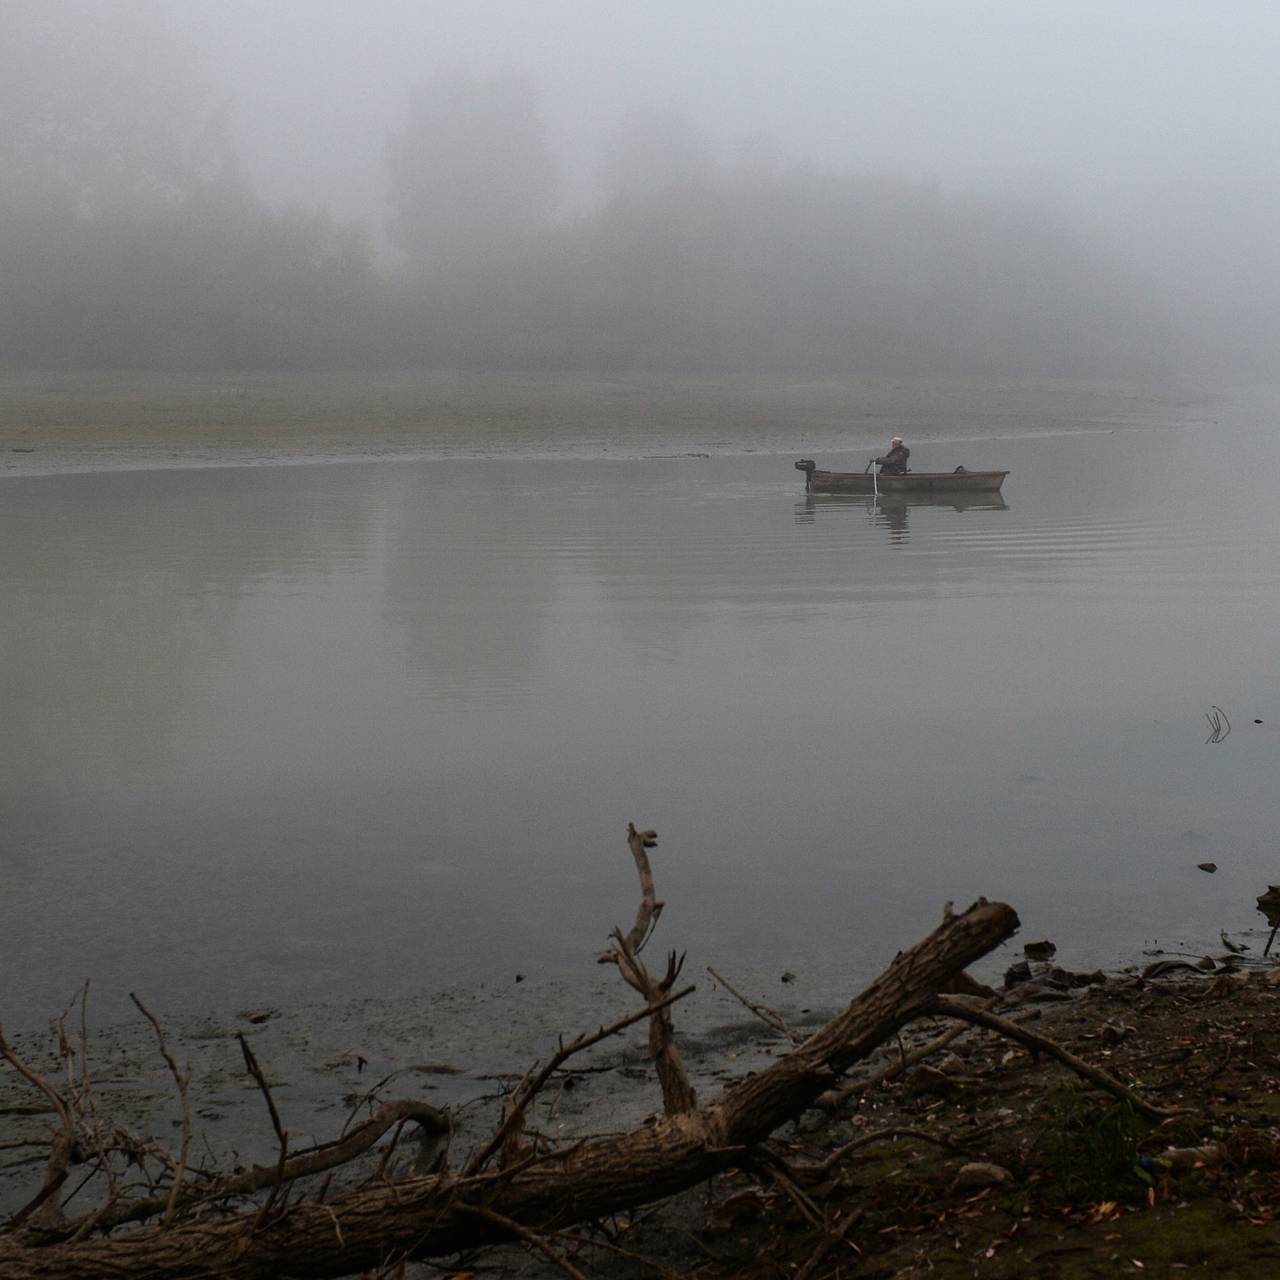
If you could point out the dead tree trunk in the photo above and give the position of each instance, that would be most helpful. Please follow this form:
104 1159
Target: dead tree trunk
678 1096
441 1214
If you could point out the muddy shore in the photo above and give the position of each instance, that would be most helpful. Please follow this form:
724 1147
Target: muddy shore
1084 1186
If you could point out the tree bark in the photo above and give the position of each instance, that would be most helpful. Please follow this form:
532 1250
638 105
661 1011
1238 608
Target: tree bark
436 1216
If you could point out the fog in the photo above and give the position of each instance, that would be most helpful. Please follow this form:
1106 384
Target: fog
1082 189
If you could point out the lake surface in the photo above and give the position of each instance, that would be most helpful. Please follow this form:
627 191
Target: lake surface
298 733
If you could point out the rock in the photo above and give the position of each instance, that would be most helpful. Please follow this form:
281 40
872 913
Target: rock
1269 904
1045 950
257 1016
1210 867
1035 991
980 1174
1068 979
1017 974
1182 1158
1114 1031
788 977
950 1064
1206 963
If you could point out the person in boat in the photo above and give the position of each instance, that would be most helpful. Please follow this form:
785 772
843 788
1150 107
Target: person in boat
894 463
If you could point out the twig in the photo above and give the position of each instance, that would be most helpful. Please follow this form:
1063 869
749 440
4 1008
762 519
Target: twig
953 1007
770 1017
255 1071
368 1098
1219 725
277 1183
526 1234
61 1147
36 1080
834 1097
89 1104
774 1168
591 1242
282 1134
531 1085
182 1082
304 1163
833 1238
866 1140
337 1226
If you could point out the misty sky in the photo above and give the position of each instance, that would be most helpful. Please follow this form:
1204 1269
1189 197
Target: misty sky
1140 114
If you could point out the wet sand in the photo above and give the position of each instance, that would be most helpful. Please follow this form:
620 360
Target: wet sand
109 421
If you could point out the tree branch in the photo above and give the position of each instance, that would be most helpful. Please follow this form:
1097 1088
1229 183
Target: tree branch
954 1007
433 1215
678 1096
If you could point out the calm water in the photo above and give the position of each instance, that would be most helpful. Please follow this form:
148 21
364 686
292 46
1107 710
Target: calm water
305 732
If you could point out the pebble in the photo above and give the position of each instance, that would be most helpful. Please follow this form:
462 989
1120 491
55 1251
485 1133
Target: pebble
979 1174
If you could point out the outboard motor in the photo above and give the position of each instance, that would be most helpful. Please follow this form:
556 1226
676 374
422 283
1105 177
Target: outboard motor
808 466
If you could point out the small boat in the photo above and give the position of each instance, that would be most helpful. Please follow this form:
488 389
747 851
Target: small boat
921 482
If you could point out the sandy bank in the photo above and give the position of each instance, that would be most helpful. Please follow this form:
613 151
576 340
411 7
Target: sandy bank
108 421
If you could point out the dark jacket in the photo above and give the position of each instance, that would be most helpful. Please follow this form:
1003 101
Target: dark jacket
894 463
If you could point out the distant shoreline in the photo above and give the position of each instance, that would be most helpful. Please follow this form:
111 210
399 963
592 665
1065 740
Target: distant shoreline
64 422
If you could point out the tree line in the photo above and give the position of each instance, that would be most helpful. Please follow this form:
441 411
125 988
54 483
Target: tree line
129 238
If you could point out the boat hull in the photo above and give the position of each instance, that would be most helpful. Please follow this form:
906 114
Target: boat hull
914 482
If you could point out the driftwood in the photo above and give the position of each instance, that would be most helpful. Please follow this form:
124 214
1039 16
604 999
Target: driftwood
510 1190
678 1096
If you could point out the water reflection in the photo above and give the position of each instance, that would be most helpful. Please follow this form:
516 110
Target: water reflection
411 706
891 514
121 594
468 580
811 504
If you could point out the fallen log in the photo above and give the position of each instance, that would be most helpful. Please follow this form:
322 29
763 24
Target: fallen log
443 1213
